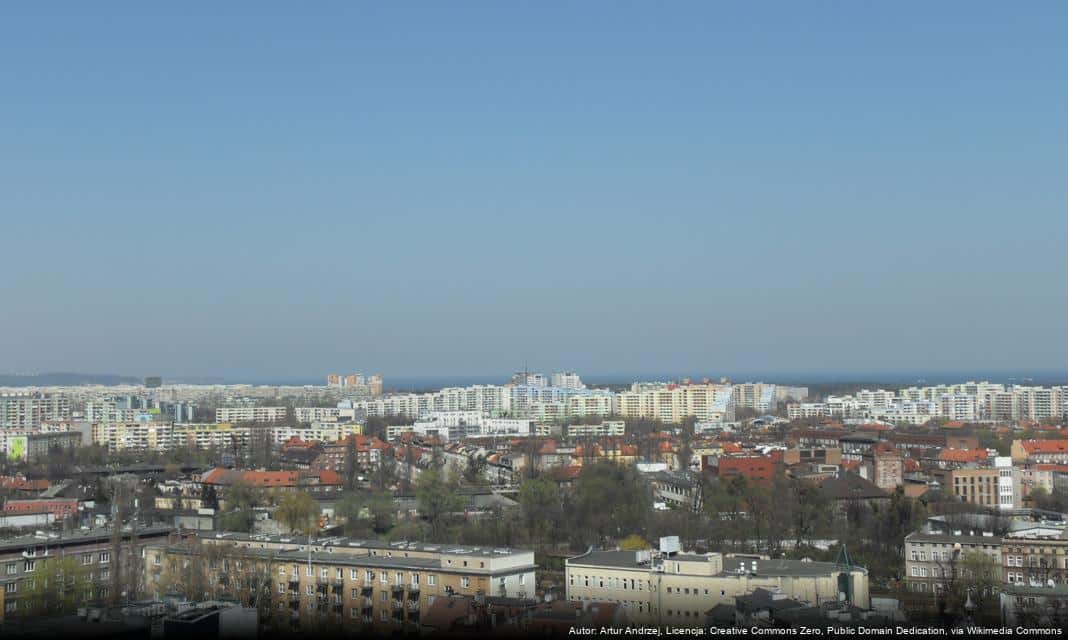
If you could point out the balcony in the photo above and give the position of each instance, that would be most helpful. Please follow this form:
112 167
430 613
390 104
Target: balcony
397 605
366 603
412 605
294 597
338 584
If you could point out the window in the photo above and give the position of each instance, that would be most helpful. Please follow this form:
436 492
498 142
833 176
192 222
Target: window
105 557
384 617
431 580
87 558
353 593
309 571
281 571
415 579
105 574
383 578
11 568
399 578
11 587
281 587
465 582
10 607
309 589
382 596
29 566
324 573
369 576
523 579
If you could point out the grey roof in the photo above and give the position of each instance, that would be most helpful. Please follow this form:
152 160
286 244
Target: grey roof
924 536
76 537
850 486
358 543
775 567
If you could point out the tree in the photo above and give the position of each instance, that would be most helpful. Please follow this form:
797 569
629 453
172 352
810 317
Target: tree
540 503
437 499
299 512
241 501
634 542
610 501
59 584
367 513
350 463
474 470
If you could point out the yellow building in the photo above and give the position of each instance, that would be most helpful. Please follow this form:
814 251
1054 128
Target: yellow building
335 582
672 403
676 588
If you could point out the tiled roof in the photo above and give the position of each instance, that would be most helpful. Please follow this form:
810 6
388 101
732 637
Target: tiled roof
1045 446
964 455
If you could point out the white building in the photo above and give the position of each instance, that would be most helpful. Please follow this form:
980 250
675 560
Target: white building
251 414
567 380
606 428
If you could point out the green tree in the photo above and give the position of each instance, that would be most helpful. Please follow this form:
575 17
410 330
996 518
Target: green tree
540 503
241 500
58 585
437 500
634 542
367 513
298 511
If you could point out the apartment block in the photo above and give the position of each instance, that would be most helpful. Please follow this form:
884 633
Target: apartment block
606 428
23 558
29 410
931 559
671 403
670 587
350 584
251 414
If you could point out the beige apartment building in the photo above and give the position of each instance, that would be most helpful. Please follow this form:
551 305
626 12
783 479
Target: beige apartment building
977 486
332 582
676 588
672 403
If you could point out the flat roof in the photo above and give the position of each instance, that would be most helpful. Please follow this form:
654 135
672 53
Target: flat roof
776 567
359 543
76 537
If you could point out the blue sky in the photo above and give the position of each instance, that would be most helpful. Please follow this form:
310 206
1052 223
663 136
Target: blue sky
460 188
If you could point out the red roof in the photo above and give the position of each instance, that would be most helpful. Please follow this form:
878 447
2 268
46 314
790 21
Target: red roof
964 455
1045 446
730 447
1056 468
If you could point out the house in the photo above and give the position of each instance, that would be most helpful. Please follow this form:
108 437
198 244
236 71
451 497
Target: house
1040 451
846 488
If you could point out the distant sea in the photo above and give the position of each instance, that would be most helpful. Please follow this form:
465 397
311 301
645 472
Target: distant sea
417 383
424 382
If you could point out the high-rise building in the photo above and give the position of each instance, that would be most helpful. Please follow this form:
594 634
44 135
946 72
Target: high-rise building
567 380
29 410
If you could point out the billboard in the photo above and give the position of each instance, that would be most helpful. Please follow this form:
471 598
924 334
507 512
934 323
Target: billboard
16 448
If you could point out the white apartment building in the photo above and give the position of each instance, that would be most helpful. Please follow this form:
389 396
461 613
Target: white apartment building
959 406
28 410
606 428
567 380
1006 482
598 403
316 432
316 414
672 403
251 414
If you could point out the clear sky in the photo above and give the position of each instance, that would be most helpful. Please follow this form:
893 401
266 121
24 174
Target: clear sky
282 189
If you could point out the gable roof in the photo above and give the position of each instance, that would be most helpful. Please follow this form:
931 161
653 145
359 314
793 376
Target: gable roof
849 486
